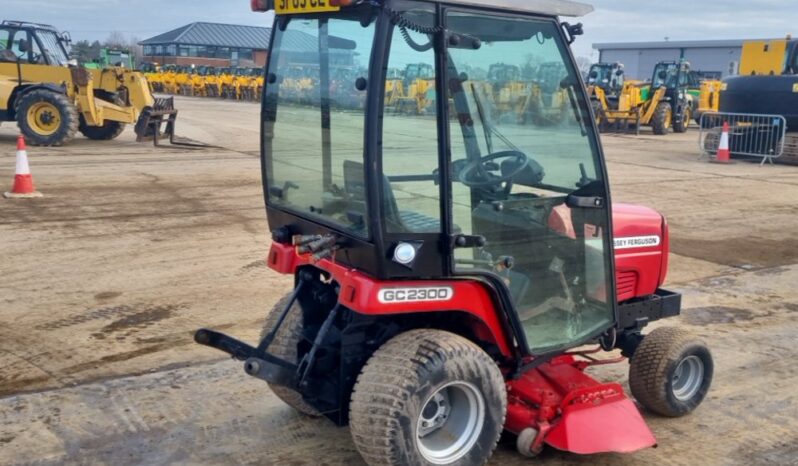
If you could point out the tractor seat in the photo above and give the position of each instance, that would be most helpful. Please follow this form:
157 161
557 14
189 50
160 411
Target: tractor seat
398 220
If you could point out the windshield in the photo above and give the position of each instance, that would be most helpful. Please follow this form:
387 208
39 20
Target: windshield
665 74
314 118
53 47
520 147
118 58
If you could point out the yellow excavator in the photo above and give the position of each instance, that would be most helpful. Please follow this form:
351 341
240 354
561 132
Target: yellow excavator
51 98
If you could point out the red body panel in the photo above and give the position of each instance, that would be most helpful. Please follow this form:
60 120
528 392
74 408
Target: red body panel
360 293
573 412
639 268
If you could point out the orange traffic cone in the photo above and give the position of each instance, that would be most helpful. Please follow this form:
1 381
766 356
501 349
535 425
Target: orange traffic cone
23 181
723 156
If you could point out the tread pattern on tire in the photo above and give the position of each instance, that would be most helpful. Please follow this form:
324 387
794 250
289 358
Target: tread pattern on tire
685 124
650 362
68 110
385 387
658 121
284 346
110 130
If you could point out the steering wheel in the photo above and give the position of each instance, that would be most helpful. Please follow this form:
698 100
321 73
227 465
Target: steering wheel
478 174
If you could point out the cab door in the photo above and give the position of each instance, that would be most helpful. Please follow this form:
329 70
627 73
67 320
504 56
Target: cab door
529 190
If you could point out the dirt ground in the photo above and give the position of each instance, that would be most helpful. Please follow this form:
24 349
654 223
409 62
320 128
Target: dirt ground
105 279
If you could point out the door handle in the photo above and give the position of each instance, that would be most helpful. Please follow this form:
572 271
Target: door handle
584 202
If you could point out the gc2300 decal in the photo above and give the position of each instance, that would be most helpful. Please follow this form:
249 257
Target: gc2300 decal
415 294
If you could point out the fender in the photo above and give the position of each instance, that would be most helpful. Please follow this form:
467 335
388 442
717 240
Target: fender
24 89
365 295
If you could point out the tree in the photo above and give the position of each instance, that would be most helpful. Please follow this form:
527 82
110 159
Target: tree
583 64
116 40
81 51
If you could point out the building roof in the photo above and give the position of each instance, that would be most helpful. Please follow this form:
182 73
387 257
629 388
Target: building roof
674 44
215 34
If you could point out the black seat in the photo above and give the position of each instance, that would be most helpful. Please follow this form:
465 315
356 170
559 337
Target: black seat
398 221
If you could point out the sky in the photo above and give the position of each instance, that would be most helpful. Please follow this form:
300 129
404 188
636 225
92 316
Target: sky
612 20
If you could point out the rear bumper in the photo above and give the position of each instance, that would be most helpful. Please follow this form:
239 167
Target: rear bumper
637 313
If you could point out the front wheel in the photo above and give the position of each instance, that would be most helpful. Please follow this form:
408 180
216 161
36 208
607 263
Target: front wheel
428 397
682 126
671 372
662 119
109 130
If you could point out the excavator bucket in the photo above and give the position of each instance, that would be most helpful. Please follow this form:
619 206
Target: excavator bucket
600 419
158 122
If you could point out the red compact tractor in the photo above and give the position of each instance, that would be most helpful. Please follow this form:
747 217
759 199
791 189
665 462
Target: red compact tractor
457 270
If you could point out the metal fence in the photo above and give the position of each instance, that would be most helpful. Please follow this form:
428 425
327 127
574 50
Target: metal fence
750 135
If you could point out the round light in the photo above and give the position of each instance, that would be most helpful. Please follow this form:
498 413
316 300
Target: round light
404 253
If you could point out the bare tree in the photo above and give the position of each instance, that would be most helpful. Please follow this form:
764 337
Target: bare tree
116 40
135 49
583 64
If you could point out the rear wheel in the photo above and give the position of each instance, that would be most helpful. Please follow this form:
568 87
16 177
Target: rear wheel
428 397
671 372
284 347
46 118
663 118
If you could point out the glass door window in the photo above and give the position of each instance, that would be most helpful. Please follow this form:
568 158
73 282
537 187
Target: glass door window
527 176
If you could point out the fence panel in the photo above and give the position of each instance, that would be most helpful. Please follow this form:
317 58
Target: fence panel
750 135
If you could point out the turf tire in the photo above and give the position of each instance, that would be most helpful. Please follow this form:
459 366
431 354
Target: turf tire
398 379
284 346
654 363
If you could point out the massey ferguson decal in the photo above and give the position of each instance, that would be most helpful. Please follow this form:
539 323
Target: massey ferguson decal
415 294
637 242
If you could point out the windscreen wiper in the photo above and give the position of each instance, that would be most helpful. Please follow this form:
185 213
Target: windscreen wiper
488 126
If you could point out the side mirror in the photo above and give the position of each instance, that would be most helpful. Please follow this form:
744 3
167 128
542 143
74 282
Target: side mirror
593 74
23 46
619 73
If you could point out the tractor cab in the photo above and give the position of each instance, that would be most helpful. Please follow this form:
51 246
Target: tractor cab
455 191
500 74
607 76
676 78
32 43
449 261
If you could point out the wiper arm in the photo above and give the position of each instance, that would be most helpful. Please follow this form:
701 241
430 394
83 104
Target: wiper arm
481 112
488 126
577 114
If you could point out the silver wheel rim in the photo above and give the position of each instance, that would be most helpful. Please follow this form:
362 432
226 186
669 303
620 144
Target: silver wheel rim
450 422
687 378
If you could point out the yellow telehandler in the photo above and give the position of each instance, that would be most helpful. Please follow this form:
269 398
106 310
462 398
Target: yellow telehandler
51 98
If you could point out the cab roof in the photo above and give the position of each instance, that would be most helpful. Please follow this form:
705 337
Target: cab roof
544 7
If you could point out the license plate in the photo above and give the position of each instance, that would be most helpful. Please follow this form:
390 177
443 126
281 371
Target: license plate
292 7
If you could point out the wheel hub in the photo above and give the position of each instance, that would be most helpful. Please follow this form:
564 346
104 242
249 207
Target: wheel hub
43 118
450 423
687 378
434 414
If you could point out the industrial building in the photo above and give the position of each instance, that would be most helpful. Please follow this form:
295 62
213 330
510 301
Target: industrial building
211 44
713 58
